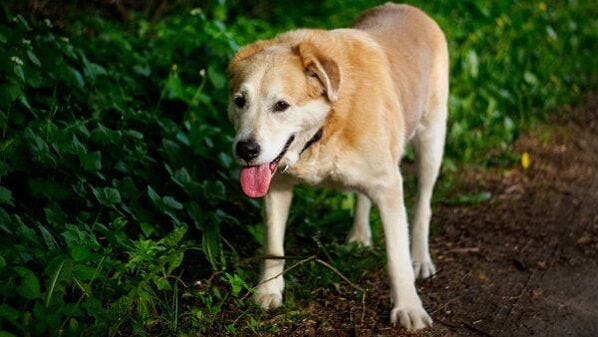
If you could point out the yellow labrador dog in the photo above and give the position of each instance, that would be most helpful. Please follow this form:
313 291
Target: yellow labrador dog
337 108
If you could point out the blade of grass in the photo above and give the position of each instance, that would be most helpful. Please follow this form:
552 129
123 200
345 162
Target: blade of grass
53 283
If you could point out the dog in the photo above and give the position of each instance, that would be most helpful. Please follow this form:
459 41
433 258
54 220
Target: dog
337 108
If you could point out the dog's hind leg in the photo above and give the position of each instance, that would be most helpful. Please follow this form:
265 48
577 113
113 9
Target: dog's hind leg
268 292
360 232
428 144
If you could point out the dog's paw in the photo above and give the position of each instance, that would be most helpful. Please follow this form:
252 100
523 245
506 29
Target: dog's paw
423 268
360 238
268 301
412 317
268 295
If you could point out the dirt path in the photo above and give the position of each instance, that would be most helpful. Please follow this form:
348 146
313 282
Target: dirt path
522 264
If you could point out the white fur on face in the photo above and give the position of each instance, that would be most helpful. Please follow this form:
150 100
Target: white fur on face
272 129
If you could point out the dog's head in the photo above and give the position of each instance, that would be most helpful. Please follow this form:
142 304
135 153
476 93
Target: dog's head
280 95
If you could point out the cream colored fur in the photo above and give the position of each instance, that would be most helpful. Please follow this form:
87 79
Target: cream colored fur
372 89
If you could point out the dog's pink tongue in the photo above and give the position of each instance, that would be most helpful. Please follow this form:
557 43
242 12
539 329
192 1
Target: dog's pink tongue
255 180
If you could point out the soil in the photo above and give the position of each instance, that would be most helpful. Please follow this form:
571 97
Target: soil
523 263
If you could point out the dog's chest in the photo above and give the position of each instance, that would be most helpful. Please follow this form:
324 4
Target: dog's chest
325 169
314 173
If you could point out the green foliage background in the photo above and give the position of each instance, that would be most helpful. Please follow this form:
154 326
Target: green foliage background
117 188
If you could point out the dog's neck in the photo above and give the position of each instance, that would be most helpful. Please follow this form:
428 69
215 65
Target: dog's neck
295 154
312 140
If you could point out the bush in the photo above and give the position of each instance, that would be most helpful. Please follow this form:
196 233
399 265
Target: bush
117 185
114 145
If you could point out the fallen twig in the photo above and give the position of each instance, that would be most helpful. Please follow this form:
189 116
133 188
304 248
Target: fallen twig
476 329
464 250
313 257
274 257
353 285
464 324
446 304
321 262
337 272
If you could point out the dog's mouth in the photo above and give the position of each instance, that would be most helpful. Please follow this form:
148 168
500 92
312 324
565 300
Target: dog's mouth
255 180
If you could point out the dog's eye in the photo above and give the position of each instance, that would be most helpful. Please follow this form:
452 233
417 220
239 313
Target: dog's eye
281 106
239 101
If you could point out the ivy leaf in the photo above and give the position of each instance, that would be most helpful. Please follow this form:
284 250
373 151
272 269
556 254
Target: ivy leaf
92 70
135 134
84 273
112 196
19 72
216 77
25 102
48 238
29 286
107 196
152 194
172 203
9 93
34 78
5 196
147 228
33 58
80 253
91 161
142 70
77 77
11 315
5 221
214 189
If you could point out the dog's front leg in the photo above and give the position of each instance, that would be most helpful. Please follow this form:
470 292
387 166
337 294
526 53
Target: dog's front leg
407 307
268 292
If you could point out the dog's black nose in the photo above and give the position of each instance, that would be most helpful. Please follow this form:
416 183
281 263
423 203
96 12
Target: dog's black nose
247 149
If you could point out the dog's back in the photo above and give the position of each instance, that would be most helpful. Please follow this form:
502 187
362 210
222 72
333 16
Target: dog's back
417 52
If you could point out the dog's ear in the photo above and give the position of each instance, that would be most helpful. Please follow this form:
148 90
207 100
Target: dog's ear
321 67
248 51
